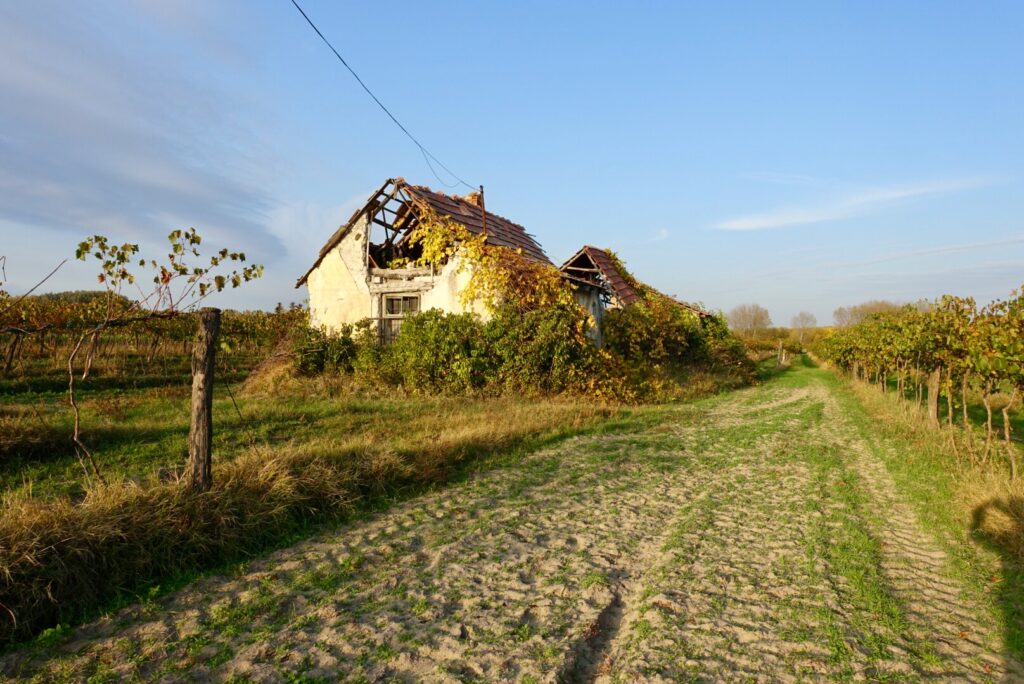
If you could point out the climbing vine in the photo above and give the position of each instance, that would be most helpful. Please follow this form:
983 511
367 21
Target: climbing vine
500 275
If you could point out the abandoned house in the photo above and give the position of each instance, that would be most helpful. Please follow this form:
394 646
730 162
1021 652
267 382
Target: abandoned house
352 278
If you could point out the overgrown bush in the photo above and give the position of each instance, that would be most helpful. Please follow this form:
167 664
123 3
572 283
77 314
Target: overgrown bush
725 351
439 352
543 351
656 330
537 339
317 350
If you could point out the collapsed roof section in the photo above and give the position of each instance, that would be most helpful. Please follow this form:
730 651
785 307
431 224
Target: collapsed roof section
398 206
596 266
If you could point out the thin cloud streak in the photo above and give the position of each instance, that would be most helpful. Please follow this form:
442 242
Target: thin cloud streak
937 251
820 270
101 144
776 178
850 206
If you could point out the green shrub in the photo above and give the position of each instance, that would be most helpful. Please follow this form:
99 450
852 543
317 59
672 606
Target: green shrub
650 348
545 350
725 351
655 330
439 352
317 350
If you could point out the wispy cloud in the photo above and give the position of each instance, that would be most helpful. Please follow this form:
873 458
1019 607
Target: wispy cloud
660 236
942 250
847 206
95 141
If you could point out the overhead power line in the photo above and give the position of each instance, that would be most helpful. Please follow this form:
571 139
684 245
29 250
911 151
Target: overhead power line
427 155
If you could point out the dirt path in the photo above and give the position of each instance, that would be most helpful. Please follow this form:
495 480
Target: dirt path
753 537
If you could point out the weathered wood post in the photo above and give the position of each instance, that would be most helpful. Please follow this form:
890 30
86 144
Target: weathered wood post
11 349
934 380
200 434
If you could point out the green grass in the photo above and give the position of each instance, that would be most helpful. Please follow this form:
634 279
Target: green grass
134 434
845 537
928 476
839 552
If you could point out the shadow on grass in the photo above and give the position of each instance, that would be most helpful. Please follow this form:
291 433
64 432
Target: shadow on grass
44 453
58 384
999 525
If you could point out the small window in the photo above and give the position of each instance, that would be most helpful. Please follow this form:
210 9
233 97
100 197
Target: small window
401 306
396 307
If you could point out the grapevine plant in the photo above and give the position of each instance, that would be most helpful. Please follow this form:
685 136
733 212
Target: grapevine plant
949 349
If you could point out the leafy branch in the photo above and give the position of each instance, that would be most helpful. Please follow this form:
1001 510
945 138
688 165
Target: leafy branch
178 286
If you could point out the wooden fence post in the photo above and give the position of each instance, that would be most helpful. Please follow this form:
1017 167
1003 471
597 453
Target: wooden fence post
9 361
934 380
200 434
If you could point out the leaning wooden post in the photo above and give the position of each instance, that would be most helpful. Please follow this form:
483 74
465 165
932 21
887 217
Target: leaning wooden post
200 434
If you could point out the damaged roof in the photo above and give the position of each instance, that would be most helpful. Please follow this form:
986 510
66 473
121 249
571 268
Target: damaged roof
602 262
500 231
620 287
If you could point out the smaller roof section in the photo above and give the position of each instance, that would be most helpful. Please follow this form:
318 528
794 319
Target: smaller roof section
595 265
598 267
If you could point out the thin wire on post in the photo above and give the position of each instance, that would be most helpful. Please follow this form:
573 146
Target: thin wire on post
427 154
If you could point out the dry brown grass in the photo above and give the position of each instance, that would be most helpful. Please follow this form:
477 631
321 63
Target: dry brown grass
273 375
997 509
60 559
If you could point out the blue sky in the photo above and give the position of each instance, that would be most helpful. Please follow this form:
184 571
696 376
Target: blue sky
798 155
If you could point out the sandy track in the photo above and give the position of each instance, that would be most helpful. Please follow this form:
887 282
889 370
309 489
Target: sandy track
706 548
940 612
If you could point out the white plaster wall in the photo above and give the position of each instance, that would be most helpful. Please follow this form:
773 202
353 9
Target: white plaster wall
338 288
446 293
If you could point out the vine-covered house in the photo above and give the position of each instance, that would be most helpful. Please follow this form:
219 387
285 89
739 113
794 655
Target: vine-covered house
366 270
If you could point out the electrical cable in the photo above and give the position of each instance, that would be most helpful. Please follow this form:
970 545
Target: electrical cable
427 155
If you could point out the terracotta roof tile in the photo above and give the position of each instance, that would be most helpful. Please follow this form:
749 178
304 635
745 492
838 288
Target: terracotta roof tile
500 231
622 290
